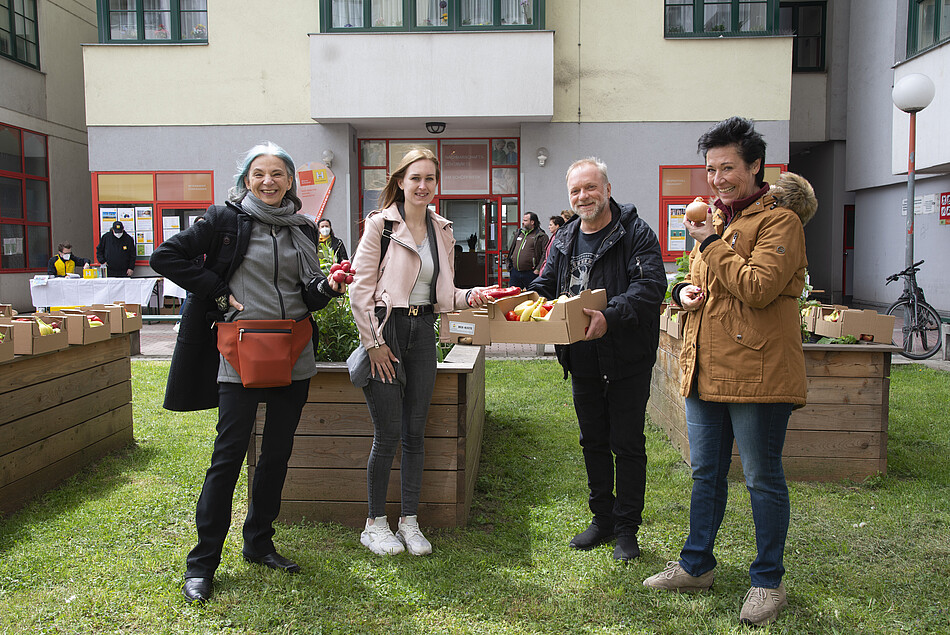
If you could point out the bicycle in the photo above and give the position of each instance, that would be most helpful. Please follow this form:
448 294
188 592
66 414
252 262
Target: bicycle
916 321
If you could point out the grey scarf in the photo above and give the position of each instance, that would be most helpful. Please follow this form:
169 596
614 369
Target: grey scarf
286 216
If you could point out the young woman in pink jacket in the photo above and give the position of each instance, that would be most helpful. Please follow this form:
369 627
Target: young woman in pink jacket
405 278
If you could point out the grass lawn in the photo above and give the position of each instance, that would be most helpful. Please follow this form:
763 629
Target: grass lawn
105 552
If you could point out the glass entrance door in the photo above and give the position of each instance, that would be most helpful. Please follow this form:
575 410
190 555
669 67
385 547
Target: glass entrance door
483 228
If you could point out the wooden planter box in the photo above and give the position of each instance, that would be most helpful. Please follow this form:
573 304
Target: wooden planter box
326 479
59 412
840 434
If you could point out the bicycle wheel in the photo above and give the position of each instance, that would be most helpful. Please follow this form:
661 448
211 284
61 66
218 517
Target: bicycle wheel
920 336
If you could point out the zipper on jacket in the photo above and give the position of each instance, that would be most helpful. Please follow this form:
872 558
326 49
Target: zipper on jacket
280 297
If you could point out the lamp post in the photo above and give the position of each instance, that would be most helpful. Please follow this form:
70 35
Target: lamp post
912 93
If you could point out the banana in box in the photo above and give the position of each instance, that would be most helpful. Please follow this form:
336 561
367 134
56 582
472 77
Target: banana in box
37 333
85 327
564 323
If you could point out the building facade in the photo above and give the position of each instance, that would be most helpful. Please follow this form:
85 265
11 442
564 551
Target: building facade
44 170
500 84
509 93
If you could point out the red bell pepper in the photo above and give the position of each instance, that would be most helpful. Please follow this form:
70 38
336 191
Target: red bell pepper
501 292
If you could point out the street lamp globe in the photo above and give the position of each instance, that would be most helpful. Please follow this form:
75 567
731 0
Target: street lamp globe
913 93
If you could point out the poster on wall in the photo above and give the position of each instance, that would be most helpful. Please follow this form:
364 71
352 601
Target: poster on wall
171 225
314 183
945 208
676 232
144 234
107 216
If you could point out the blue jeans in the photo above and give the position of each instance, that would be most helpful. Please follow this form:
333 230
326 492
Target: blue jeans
759 431
400 412
521 278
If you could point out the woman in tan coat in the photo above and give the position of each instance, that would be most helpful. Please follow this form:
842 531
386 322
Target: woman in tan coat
742 361
395 298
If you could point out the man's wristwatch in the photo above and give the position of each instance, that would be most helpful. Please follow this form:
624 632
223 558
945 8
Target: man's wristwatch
222 302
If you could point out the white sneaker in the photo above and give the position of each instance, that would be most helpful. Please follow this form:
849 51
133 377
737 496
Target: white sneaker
379 538
410 535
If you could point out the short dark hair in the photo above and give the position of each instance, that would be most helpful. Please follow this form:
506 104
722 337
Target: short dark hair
740 132
558 220
534 218
61 246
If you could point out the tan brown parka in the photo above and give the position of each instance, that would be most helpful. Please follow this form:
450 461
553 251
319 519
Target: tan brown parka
743 344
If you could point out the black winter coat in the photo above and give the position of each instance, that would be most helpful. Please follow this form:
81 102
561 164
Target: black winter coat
117 253
222 236
629 266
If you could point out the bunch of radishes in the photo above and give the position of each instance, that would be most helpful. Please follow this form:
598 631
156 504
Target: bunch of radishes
342 272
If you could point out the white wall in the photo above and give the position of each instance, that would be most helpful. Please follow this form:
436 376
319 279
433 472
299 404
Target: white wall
614 65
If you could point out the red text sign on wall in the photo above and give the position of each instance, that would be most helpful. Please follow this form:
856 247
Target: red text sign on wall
465 167
945 208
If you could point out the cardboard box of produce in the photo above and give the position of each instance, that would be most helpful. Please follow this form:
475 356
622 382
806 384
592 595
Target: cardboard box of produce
866 325
6 342
674 321
469 326
565 324
119 319
6 310
80 329
29 337
811 314
664 316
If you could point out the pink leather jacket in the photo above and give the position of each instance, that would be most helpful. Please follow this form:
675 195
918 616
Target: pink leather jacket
390 282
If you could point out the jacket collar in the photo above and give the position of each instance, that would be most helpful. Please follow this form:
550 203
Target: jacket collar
392 213
620 216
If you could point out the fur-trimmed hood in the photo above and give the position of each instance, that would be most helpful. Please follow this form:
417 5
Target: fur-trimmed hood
795 193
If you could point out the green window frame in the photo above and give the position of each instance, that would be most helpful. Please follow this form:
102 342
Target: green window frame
807 20
720 18
19 39
384 16
153 21
928 24
24 200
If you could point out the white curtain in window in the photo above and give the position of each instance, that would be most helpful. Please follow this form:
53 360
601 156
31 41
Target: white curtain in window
517 11
347 13
432 12
387 12
476 12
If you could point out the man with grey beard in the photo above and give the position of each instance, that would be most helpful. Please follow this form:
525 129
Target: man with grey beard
608 246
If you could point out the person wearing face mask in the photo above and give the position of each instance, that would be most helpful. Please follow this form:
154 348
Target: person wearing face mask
116 250
327 236
65 262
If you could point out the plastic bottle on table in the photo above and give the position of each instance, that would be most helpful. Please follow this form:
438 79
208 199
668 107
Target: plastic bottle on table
103 271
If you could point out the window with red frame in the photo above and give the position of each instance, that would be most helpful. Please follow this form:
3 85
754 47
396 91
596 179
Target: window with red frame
24 200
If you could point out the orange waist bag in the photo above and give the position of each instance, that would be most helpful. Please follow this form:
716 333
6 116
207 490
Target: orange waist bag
264 352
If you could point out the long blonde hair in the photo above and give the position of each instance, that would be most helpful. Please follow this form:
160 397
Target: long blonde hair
392 193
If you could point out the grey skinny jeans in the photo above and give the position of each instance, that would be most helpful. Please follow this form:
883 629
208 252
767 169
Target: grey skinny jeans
400 412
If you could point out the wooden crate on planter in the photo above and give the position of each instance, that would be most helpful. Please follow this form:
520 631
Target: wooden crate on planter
326 478
59 412
840 434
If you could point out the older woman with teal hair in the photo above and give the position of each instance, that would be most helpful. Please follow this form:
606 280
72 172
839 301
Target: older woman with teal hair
253 258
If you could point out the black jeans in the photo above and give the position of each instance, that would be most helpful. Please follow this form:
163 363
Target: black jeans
611 415
237 410
399 413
